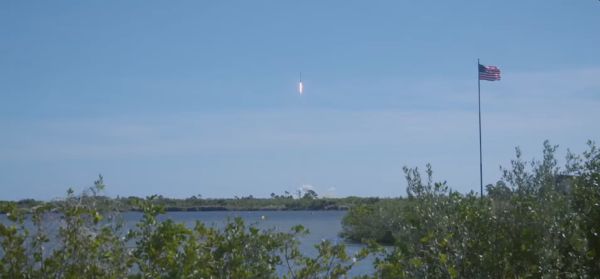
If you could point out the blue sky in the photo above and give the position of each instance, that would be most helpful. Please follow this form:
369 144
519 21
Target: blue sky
199 97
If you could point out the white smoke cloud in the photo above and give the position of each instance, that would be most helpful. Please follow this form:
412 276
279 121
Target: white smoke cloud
307 187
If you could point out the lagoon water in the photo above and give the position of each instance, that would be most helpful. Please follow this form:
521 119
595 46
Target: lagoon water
323 225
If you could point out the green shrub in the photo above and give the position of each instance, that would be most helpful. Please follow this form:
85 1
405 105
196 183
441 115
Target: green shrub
538 221
91 243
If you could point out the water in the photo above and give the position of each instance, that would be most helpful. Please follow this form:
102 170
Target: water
322 225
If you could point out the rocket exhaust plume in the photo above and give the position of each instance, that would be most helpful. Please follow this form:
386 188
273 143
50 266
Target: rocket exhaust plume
300 85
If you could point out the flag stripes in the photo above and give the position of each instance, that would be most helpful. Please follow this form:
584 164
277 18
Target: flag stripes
490 73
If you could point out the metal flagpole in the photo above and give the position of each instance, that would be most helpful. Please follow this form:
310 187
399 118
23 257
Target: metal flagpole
480 156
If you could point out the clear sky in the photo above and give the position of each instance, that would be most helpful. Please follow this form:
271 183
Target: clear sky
181 98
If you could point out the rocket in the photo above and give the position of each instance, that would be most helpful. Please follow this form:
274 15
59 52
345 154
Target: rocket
300 85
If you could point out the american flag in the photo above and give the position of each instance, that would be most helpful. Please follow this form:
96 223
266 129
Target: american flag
490 73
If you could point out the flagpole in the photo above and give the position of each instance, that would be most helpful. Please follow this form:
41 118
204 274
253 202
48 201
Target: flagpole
480 155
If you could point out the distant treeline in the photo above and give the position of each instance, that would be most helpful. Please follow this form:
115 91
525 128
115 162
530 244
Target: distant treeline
307 201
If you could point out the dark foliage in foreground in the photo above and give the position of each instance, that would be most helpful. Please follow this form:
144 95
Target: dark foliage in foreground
89 241
538 221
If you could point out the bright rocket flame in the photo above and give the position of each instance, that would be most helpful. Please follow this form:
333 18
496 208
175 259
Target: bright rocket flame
300 88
